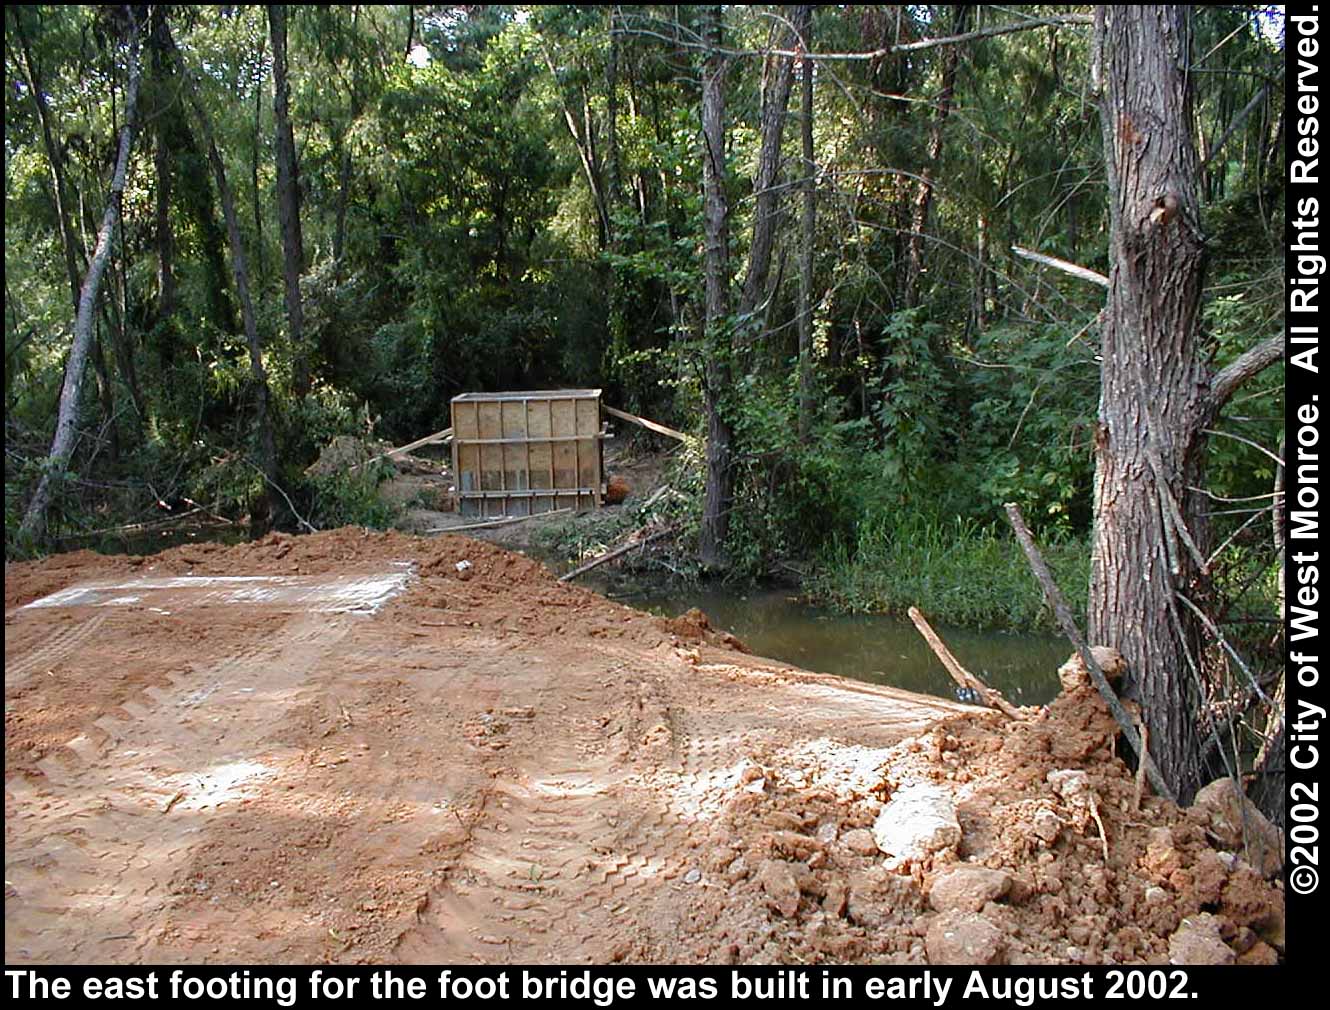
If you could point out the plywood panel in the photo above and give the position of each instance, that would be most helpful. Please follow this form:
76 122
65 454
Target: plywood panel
513 425
491 455
539 425
466 465
588 454
564 424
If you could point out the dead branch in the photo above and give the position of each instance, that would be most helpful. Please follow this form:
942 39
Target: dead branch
616 552
660 429
991 697
1068 624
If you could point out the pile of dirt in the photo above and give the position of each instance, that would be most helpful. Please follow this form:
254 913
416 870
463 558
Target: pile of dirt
495 766
1023 874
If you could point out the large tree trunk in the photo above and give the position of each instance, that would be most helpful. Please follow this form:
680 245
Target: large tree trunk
719 495
269 507
923 193
807 238
719 492
1157 396
59 197
163 70
766 213
62 445
288 203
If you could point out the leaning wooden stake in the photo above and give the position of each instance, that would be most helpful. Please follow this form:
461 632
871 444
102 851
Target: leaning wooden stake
1068 624
992 698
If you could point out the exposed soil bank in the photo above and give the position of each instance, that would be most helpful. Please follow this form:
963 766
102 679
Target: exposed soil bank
492 766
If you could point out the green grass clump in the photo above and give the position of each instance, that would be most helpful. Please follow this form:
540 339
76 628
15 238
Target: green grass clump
957 571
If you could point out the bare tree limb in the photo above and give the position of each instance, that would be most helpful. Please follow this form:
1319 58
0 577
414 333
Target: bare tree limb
963 677
1239 119
1084 273
1058 21
1229 379
1068 624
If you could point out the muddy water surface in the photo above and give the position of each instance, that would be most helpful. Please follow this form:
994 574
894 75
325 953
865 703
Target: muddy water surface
879 649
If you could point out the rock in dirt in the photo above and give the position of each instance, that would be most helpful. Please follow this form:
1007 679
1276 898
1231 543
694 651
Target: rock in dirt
794 844
1161 858
860 841
1069 783
963 938
1046 825
968 888
1273 928
1197 941
1260 953
780 886
1074 675
1234 819
838 897
919 821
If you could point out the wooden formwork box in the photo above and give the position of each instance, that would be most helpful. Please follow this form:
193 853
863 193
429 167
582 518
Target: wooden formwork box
528 452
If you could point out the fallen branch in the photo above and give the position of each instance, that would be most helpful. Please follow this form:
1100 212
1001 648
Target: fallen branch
992 698
1103 835
289 503
1063 612
505 521
149 526
617 552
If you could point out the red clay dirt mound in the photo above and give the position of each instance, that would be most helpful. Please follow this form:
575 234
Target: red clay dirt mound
493 766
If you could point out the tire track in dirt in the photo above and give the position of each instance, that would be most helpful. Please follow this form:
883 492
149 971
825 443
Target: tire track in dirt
568 838
129 795
50 653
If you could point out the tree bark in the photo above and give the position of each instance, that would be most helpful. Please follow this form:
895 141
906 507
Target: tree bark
240 273
162 70
807 239
33 527
718 377
1157 396
288 203
766 213
923 195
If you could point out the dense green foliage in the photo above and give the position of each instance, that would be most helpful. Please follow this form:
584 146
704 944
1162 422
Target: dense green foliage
497 197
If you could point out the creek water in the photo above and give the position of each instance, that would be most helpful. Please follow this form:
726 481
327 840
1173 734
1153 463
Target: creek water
878 649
